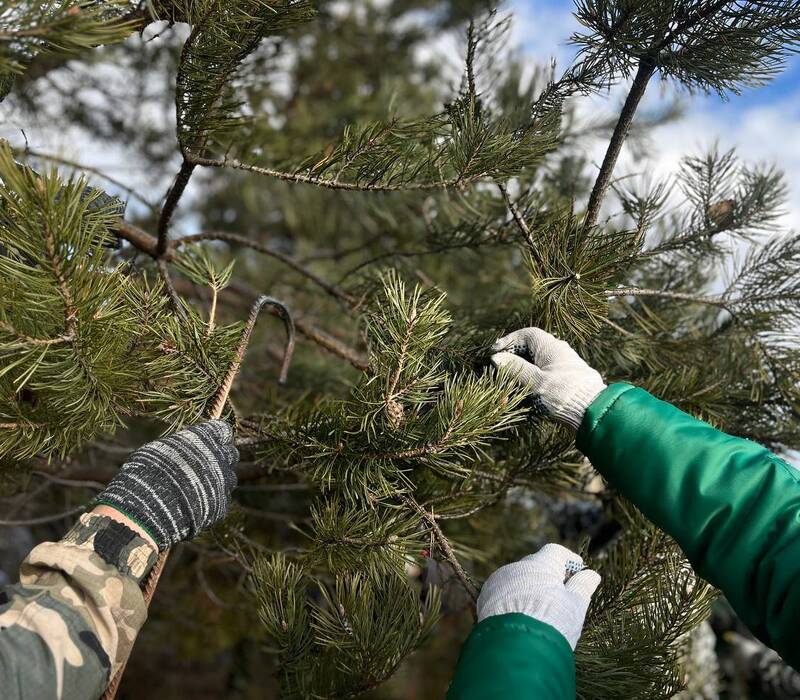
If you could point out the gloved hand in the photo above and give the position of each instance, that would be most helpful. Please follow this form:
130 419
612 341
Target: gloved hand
179 485
551 370
536 586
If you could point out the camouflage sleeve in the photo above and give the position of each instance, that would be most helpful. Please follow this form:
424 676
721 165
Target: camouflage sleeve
74 615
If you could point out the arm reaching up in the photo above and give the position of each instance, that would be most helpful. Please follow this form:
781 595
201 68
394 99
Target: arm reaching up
732 505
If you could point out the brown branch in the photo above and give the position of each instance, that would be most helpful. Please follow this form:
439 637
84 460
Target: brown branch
472 44
647 66
70 310
163 270
27 339
336 255
690 21
395 378
444 543
140 239
174 194
328 183
332 289
521 225
646 69
617 327
665 294
148 244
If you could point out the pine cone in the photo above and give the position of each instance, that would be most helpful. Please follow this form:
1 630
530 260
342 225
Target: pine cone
721 213
396 413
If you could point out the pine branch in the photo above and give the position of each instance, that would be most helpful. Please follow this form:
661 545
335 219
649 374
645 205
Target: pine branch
666 294
148 244
170 204
446 547
80 167
28 340
521 224
70 310
334 183
237 239
472 44
169 287
64 28
691 21
645 71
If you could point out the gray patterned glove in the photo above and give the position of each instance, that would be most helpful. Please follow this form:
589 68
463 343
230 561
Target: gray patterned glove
179 485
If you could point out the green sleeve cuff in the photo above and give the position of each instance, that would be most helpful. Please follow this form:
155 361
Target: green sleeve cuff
115 543
514 656
603 403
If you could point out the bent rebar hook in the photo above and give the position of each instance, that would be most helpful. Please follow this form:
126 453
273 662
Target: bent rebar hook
222 393
216 411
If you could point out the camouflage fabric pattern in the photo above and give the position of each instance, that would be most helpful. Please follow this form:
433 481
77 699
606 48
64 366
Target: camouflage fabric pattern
74 615
115 543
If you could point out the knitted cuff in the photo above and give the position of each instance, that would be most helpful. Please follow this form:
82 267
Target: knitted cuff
115 543
572 411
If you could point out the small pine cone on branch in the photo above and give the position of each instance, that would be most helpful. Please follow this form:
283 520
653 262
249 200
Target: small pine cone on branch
395 413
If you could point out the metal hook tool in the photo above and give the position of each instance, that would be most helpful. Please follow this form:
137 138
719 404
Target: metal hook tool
217 405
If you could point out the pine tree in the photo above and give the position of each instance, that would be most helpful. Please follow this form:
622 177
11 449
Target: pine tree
406 223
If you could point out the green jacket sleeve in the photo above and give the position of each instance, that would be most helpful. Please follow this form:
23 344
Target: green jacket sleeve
514 656
732 505
73 617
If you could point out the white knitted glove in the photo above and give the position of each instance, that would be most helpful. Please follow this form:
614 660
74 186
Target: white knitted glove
551 370
535 586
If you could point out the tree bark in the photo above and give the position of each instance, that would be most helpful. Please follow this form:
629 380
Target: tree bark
646 69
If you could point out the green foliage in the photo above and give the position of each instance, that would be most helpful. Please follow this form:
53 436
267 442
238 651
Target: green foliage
571 270
349 641
65 325
196 264
712 46
223 35
636 632
395 459
465 142
409 409
83 343
62 26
